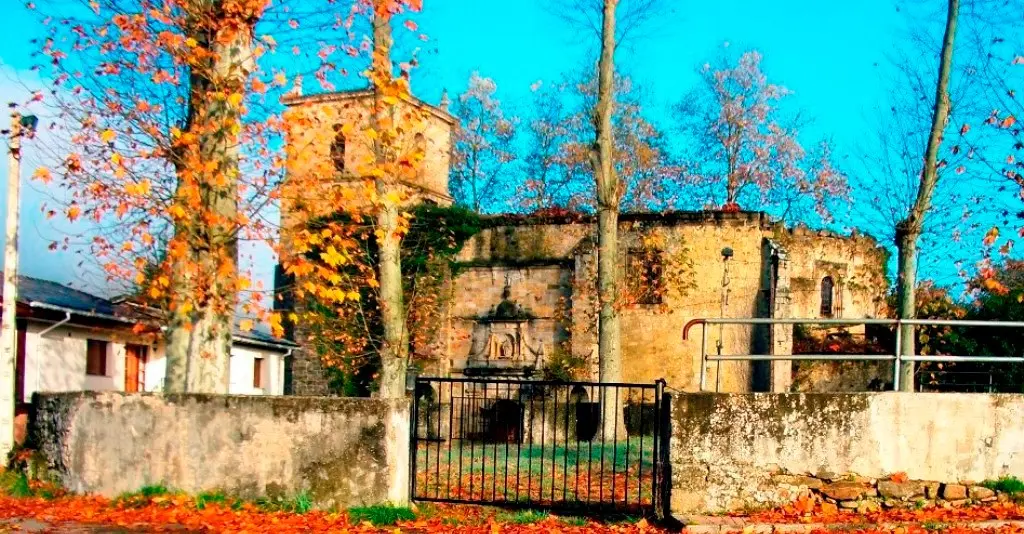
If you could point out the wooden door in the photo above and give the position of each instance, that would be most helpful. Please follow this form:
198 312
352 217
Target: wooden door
134 367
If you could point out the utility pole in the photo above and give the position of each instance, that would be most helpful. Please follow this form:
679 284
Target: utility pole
20 127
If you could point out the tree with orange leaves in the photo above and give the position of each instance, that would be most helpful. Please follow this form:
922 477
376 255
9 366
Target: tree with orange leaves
166 143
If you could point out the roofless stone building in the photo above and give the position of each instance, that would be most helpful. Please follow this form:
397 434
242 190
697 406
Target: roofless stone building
523 294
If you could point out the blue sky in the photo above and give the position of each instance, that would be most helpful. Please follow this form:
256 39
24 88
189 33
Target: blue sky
831 55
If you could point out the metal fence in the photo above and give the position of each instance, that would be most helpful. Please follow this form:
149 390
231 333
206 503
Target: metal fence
539 444
895 356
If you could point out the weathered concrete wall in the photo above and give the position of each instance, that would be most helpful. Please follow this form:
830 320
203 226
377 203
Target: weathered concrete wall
343 451
735 451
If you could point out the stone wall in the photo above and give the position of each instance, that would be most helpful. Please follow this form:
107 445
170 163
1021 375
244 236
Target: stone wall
343 452
550 265
742 451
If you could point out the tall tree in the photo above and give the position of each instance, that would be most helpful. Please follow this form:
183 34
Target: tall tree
744 150
909 230
166 142
390 223
153 147
640 158
483 146
549 180
609 191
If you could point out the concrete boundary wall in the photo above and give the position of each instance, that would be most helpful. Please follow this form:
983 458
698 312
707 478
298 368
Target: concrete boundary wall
730 451
341 451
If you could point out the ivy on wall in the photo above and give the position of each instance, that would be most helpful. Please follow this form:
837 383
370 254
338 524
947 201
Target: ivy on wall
347 332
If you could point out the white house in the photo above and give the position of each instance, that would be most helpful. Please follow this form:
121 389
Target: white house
70 340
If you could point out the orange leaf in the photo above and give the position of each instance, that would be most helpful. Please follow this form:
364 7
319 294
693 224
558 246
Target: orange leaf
43 175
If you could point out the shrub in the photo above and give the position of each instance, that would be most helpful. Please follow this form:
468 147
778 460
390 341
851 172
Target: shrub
1008 484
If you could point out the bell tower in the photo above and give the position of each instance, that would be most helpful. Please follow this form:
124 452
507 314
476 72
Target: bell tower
329 158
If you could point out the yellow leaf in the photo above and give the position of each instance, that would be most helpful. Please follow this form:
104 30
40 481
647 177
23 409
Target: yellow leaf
235 99
245 325
43 175
108 136
73 212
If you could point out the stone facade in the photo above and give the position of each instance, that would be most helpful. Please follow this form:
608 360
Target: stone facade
548 267
707 264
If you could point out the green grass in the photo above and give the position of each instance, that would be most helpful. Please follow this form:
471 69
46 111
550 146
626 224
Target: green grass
143 495
1009 484
477 457
575 521
299 504
380 515
15 484
934 526
523 517
207 498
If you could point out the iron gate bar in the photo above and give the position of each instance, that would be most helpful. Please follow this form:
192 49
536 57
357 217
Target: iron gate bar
489 416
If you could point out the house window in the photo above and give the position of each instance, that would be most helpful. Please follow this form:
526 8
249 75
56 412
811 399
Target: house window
644 274
827 286
257 372
338 149
96 358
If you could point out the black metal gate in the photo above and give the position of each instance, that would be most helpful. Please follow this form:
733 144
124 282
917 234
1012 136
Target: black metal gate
539 444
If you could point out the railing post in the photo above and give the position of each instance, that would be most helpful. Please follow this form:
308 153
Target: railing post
897 368
703 356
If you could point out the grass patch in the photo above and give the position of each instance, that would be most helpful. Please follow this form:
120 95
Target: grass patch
575 521
142 496
524 517
15 484
299 504
1009 484
380 515
207 498
934 526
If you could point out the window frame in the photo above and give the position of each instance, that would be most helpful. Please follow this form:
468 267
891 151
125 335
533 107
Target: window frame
257 373
338 149
829 310
102 349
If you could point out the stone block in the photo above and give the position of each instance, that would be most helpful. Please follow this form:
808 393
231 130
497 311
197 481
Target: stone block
954 492
900 490
931 490
980 493
846 491
798 480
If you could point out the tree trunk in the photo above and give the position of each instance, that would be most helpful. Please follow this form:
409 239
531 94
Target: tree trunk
395 348
906 282
909 231
204 271
608 273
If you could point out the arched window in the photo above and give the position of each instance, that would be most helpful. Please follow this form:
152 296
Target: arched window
338 149
420 146
827 285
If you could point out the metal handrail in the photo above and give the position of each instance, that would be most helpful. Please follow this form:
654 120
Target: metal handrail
895 356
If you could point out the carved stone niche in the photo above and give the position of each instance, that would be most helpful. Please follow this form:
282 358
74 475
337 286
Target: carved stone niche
501 342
